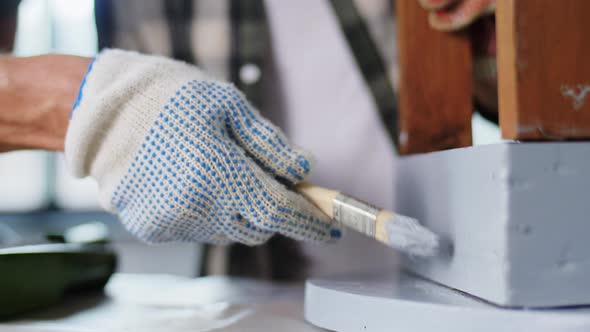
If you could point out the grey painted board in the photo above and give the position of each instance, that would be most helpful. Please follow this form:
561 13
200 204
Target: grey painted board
408 303
518 215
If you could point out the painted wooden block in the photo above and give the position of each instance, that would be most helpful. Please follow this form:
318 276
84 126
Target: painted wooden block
435 91
517 214
544 69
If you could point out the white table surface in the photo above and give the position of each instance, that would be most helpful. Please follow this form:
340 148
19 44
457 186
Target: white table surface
147 303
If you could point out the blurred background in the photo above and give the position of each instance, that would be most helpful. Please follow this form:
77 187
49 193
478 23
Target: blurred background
38 196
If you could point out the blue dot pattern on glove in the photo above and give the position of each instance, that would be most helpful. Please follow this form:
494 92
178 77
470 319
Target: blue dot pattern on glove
205 172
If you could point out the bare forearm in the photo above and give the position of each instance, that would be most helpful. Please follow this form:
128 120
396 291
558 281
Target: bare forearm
36 97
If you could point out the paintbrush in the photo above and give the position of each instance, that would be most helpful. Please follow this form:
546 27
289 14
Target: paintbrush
402 233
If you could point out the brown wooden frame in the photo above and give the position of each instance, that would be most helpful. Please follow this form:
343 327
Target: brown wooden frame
543 75
435 90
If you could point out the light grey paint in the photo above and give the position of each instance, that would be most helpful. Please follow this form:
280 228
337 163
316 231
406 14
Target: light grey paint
518 216
407 303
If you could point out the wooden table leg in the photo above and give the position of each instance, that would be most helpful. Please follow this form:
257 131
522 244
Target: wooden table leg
435 92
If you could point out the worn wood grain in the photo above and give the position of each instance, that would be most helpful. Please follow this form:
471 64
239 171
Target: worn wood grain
544 69
435 91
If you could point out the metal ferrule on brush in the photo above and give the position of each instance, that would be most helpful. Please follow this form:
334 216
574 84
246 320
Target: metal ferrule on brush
355 214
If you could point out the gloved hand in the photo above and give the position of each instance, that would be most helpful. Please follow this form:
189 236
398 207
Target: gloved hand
451 15
179 156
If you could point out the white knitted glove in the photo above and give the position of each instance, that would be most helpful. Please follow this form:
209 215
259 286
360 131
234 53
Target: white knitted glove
182 157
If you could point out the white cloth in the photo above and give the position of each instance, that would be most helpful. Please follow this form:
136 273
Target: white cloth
329 110
164 303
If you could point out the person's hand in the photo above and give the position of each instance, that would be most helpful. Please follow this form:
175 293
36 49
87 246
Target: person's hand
452 15
179 156
36 97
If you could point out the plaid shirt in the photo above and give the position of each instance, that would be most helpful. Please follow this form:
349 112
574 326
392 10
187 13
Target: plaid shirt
230 39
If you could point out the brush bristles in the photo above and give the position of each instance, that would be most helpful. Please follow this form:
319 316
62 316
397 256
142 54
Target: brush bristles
408 236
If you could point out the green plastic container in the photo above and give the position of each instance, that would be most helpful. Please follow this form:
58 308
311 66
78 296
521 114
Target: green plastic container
39 276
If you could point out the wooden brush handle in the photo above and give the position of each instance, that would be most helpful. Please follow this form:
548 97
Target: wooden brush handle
324 199
382 218
321 197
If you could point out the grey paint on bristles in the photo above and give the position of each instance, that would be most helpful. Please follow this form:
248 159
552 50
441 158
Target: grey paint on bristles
408 236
